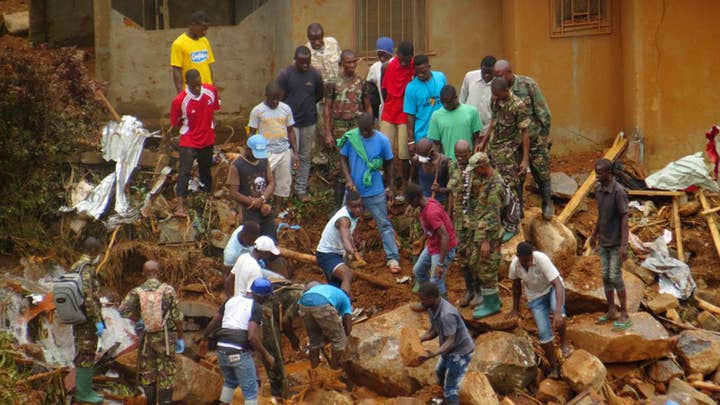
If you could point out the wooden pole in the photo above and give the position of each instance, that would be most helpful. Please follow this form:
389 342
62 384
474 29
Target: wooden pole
710 211
678 229
109 106
712 223
613 153
107 251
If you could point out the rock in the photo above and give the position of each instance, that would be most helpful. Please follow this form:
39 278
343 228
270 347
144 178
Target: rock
193 383
647 276
582 370
554 239
709 321
329 397
508 251
374 359
694 378
684 393
476 390
588 397
581 298
662 302
410 347
17 23
176 231
507 360
673 315
562 185
698 351
197 308
404 401
493 322
664 370
553 390
646 339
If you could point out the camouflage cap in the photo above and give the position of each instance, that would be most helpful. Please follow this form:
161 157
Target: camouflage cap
478 159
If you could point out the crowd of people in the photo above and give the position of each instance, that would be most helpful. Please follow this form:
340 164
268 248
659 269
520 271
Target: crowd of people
462 158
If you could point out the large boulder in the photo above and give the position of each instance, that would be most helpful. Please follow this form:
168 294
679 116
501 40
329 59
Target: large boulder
324 396
476 390
582 370
685 393
562 185
554 239
698 351
584 288
194 384
507 360
646 339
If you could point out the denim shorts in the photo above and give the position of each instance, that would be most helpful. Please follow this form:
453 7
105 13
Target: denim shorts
238 369
541 308
611 268
328 262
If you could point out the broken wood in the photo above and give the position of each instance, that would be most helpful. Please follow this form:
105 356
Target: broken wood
109 106
656 193
712 223
678 229
613 153
704 385
50 373
310 259
710 211
107 251
701 303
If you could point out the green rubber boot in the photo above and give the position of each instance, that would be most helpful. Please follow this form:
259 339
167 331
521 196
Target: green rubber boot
83 386
491 305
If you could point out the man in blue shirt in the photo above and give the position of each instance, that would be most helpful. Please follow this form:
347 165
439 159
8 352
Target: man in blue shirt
422 98
327 315
363 153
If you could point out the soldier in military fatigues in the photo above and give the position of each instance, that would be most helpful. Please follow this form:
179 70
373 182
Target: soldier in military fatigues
508 140
347 96
483 199
87 333
528 91
156 353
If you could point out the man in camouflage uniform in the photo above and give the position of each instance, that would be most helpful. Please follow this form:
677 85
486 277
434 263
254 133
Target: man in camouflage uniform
456 184
280 309
87 333
347 95
483 198
539 130
156 353
508 140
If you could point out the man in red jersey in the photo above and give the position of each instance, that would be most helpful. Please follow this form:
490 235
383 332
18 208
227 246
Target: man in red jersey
192 112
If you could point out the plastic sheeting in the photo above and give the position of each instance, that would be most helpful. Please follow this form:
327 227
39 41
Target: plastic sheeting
683 173
674 275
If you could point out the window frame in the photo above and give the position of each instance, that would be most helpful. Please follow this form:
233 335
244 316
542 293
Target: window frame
559 29
370 54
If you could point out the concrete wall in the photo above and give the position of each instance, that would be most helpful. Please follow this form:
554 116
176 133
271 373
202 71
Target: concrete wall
67 22
136 62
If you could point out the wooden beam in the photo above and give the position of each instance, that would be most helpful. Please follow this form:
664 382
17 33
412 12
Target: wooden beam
613 153
710 211
678 229
712 223
656 193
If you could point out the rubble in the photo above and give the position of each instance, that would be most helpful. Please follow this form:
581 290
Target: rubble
562 185
708 321
582 370
662 302
507 360
684 393
476 390
698 351
551 390
664 370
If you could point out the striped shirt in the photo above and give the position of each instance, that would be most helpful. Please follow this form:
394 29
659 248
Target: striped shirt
194 115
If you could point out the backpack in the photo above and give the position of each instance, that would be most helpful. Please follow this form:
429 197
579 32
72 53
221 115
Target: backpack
69 298
511 211
151 308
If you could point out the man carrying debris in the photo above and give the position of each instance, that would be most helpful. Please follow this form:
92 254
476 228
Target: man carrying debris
611 234
507 139
192 113
456 345
336 242
327 314
457 185
363 153
434 260
240 318
88 332
252 184
153 306
191 50
545 293
240 242
247 268
483 196
527 90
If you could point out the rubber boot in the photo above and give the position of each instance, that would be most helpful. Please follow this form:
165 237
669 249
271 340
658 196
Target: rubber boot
150 394
491 305
469 288
547 204
519 192
83 386
165 397
478 298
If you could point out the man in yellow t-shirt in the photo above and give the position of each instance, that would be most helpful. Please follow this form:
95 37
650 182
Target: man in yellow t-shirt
191 50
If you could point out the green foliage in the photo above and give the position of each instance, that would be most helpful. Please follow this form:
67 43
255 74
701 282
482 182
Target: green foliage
47 112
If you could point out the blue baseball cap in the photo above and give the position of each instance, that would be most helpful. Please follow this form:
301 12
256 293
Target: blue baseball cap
385 44
258 144
261 287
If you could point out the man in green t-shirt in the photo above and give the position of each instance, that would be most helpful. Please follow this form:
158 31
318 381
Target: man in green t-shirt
454 122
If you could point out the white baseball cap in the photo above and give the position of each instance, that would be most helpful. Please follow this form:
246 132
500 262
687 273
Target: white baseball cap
266 244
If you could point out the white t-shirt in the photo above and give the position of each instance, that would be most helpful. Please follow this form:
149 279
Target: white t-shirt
331 240
234 248
537 279
246 270
272 124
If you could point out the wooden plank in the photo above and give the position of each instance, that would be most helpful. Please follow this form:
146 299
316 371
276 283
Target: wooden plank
712 223
678 229
613 153
710 211
656 193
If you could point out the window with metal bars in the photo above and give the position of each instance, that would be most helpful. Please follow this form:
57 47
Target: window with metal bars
164 14
579 17
401 20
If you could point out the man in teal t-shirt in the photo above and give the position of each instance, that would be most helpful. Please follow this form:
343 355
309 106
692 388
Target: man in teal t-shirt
422 99
454 122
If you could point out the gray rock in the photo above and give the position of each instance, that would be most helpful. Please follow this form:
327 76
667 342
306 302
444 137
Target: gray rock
507 360
562 185
664 371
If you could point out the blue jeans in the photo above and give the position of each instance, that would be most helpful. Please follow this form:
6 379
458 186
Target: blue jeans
239 369
541 308
450 371
611 268
377 205
427 262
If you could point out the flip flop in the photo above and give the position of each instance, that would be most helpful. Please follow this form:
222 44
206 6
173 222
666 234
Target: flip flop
619 325
603 319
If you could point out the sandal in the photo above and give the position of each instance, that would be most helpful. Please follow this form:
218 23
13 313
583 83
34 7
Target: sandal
622 325
604 319
394 266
